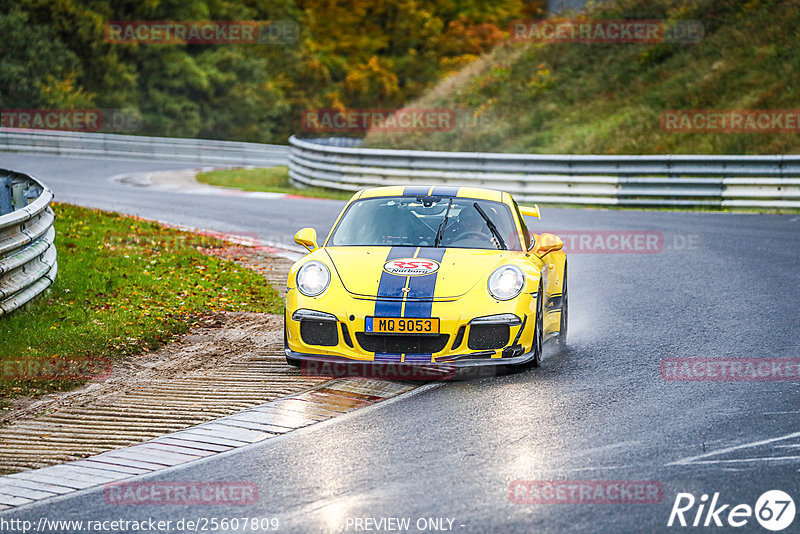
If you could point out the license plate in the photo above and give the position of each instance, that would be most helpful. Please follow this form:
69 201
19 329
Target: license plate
401 325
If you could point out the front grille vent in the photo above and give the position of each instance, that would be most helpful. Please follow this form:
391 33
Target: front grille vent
402 344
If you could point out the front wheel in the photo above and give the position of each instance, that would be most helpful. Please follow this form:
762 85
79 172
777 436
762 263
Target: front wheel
538 336
562 332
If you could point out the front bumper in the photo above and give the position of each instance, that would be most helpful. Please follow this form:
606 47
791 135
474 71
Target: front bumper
444 365
340 318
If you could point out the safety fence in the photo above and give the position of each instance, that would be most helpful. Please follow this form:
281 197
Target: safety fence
28 263
196 151
680 181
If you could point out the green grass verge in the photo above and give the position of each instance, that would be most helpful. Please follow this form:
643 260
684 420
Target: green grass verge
124 286
273 180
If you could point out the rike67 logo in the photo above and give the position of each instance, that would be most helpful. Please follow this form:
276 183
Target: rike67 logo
774 510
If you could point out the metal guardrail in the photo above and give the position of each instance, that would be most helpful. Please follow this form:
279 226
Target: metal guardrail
200 151
687 181
28 263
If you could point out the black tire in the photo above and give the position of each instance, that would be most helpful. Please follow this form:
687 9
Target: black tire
562 332
291 361
538 336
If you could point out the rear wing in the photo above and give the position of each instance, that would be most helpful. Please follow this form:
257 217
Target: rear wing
531 211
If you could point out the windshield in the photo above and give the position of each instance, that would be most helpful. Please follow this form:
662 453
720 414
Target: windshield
427 222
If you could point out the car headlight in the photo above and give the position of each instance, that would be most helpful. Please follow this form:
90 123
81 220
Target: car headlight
506 282
313 278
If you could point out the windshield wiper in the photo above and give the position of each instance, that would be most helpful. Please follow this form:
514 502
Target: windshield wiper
440 231
495 232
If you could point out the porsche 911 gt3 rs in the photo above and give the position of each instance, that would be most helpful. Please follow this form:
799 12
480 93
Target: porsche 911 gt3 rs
427 275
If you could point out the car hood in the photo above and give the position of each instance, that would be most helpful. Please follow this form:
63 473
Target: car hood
361 270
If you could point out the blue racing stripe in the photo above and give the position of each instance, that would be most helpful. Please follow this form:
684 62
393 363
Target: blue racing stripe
445 191
391 285
422 287
418 358
383 357
421 291
416 190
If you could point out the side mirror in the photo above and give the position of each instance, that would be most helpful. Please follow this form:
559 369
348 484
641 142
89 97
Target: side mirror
547 243
530 211
308 238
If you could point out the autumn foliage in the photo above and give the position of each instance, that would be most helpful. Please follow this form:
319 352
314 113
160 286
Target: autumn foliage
348 54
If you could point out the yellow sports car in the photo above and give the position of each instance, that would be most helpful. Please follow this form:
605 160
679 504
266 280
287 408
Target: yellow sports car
427 275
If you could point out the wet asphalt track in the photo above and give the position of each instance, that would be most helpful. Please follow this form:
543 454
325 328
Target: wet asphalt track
598 410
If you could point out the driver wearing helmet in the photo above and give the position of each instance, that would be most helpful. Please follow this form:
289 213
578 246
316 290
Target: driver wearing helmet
468 222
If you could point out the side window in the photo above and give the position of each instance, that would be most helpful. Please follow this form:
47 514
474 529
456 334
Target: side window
525 232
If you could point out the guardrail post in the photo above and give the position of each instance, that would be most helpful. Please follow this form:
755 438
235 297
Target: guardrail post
5 195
